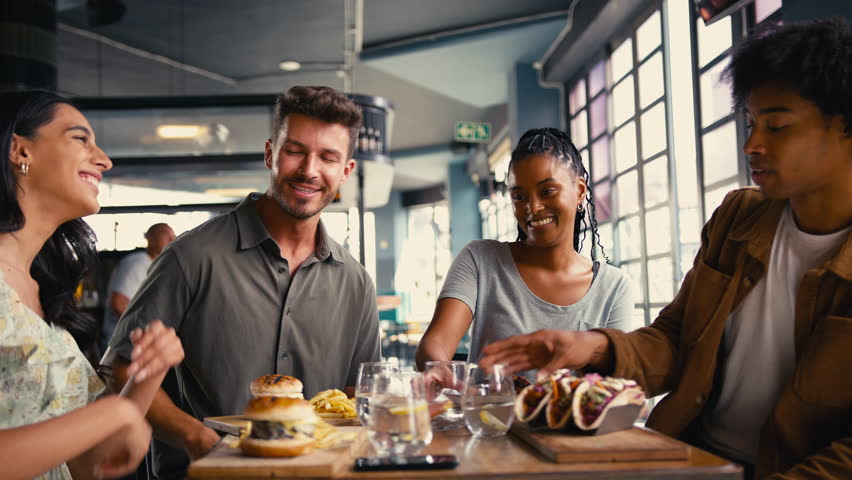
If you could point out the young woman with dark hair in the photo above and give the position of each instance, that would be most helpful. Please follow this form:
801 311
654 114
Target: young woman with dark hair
51 425
541 280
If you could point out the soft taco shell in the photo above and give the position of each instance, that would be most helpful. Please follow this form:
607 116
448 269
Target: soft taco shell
524 414
562 396
629 395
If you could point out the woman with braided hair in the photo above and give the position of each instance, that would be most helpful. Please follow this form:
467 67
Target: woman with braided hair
540 281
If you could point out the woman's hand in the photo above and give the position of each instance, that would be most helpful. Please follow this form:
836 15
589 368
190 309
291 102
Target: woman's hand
155 350
547 350
120 452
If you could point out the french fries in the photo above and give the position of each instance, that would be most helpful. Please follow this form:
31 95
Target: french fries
333 404
328 436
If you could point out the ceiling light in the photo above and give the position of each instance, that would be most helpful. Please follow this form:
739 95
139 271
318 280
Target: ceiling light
289 65
179 131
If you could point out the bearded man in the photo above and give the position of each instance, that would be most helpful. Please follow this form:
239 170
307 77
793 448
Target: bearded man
263 289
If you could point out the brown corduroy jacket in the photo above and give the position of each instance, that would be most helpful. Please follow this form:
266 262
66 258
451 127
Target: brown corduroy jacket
808 434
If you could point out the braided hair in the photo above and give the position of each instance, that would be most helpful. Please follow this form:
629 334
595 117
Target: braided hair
557 143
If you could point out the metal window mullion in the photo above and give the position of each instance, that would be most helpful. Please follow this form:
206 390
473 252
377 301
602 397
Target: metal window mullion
740 29
661 99
643 247
717 124
613 174
588 149
718 59
671 170
658 48
655 156
723 182
696 101
658 256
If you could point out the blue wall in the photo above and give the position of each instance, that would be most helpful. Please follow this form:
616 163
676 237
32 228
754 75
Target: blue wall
530 104
465 221
391 224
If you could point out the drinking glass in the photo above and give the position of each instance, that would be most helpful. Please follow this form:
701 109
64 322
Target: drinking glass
488 401
399 423
444 384
364 386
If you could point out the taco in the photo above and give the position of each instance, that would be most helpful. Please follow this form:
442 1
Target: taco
596 394
559 408
531 401
520 383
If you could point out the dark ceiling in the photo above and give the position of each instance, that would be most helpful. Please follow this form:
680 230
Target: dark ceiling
417 53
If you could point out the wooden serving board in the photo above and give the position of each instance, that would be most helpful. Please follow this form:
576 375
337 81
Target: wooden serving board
635 444
235 424
228 461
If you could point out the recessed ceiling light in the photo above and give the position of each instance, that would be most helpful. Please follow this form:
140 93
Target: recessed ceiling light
289 65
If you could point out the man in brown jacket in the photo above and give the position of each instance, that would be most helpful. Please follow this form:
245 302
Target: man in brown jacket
752 352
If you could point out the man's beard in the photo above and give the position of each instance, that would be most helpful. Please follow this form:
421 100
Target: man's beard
299 208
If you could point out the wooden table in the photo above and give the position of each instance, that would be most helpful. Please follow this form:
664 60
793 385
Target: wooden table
509 458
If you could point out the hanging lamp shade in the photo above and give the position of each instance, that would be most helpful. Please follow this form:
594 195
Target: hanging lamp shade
372 153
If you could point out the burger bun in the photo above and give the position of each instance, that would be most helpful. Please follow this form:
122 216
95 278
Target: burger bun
256 447
276 386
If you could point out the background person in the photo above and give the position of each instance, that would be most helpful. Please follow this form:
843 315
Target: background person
128 276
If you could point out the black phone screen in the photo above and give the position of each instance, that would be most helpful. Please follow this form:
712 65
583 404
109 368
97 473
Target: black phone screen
420 462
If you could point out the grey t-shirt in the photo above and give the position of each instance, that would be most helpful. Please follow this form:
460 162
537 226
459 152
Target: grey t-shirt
227 291
484 276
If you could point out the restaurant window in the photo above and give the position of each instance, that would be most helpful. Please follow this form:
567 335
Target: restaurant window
126 231
720 162
618 118
496 211
425 258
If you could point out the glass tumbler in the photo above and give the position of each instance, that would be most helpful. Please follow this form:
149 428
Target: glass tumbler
399 422
488 401
364 386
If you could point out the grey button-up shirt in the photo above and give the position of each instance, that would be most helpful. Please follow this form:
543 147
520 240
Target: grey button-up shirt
227 291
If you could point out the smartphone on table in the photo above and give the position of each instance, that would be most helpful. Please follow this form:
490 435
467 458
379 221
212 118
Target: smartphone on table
419 462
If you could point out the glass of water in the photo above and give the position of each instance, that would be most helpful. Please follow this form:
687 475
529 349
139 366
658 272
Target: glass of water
488 401
399 422
364 386
444 384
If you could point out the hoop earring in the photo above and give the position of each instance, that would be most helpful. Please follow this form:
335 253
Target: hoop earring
580 208
24 168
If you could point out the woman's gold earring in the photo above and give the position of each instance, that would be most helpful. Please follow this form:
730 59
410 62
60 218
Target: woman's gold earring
24 168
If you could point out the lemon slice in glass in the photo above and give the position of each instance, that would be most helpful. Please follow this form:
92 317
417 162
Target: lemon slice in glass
408 410
491 420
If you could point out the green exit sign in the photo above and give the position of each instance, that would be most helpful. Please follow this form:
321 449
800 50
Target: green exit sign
472 132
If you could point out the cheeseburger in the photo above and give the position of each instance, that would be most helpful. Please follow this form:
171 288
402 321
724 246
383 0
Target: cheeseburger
276 386
280 427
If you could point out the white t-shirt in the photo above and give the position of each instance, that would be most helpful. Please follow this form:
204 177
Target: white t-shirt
759 341
125 279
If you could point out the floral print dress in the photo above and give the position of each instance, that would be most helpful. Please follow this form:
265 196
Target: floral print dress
43 374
